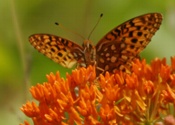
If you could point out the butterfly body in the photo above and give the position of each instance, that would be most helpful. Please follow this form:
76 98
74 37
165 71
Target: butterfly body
115 51
89 53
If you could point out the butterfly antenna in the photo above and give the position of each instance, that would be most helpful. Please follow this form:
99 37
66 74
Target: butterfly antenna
95 25
56 23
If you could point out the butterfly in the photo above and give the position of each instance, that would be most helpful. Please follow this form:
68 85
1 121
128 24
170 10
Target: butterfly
115 51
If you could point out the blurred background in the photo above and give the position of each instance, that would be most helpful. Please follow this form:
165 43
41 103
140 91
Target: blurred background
21 66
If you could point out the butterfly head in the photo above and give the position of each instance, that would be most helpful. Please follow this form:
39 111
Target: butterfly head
87 44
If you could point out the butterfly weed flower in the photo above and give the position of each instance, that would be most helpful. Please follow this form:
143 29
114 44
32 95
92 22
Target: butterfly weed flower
145 96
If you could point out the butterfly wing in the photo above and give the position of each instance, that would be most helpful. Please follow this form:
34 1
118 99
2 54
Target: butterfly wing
62 51
120 46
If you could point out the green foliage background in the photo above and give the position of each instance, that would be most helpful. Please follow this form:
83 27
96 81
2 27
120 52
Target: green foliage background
22 66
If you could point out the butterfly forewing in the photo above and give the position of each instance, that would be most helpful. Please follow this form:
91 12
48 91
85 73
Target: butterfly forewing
120 46
60 50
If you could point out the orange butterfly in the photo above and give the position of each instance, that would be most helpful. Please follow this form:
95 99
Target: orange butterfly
115 51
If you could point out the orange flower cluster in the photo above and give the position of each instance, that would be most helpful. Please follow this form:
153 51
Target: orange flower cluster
142 97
